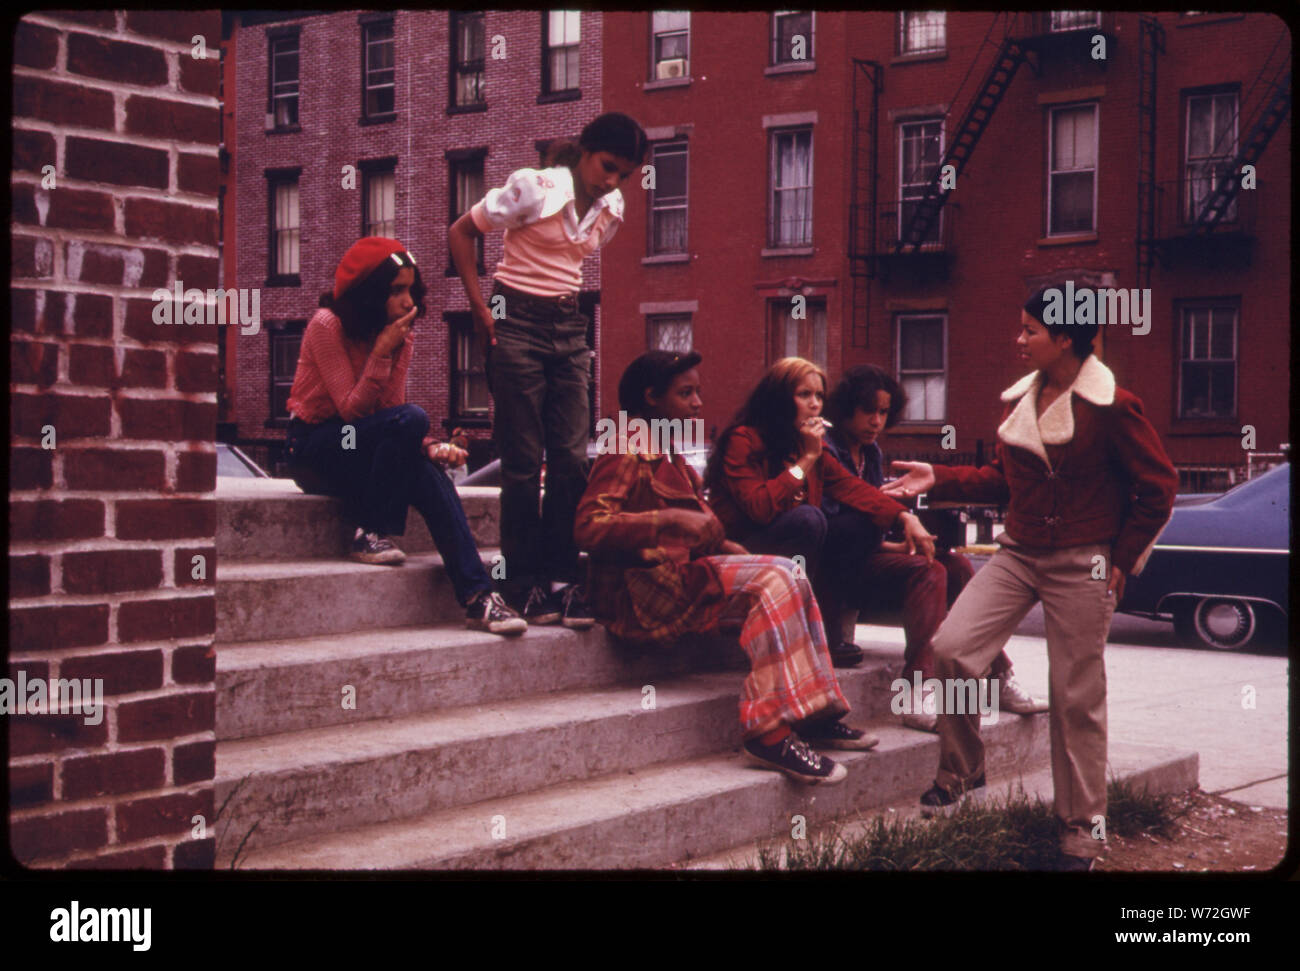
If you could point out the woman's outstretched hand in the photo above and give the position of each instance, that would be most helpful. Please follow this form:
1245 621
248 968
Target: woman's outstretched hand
919 478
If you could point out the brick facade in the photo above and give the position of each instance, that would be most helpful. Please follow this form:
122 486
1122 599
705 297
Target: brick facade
998 250
331 136
104 524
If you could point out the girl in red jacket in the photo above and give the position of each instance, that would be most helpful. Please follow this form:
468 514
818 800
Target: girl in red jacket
1088 488
768 473
661 567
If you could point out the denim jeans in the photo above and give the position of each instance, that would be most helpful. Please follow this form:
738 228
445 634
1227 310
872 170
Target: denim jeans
381 477
538 373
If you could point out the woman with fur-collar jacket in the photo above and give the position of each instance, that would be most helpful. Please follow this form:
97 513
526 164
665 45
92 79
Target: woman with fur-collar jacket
1088 488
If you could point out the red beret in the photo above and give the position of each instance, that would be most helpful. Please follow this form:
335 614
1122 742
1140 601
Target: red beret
362 258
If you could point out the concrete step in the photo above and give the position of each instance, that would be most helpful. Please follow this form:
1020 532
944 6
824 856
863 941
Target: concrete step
271 519
648 816
260 600
1158 769
284 685
319 780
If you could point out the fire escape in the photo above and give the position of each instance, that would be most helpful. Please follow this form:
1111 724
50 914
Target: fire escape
1215 227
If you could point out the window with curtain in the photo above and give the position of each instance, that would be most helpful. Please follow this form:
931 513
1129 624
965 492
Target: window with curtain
787 25
467 58
1075 19
378 75
790 198
470 397
803 336
670 44
922 30
380 200
284 81
670 332
668 199
920 149
922 365
1210 147
466 189
284 227
1072 170
1207 379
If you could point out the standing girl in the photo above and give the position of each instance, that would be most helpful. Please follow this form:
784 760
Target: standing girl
353 435
1088 488
538 359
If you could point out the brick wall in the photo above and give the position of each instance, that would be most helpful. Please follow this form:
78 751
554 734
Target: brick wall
116 128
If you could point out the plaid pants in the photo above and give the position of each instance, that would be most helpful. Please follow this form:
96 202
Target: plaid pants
790 675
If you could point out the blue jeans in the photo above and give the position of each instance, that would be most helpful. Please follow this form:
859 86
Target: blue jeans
381 477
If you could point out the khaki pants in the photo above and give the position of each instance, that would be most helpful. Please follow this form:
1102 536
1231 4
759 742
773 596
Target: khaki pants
1077 611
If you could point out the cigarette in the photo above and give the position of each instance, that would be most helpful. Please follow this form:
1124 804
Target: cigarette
826 424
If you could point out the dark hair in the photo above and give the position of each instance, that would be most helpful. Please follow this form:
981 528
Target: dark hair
655 370
612 132
362 307
769 409
857 389
1080 335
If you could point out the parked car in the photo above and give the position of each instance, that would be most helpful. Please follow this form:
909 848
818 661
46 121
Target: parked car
231 461
490 474
1220 570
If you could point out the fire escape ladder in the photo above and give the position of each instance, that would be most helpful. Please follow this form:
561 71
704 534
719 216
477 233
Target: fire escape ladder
1151 45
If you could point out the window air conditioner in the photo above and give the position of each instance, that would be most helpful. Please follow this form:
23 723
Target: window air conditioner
672 68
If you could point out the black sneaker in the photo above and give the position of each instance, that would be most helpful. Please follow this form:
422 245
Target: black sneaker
542 606
489 612
833 733
846 654
937 801
576 612
792 756
373 548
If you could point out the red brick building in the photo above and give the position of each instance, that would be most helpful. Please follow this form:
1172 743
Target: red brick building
390 124
794 151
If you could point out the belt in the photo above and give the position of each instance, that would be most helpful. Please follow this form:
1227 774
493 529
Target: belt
566 303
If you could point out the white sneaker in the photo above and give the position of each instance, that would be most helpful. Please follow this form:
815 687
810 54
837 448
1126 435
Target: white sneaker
1014 698
922 716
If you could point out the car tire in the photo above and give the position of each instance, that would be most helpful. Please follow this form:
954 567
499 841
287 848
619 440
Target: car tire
1221 623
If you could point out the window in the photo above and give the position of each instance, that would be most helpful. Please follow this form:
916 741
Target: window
470 398
1207 380
792 36
668 199
377 76
283 248
803 336
1072 171
922 365
670 44
467 40
1210 148
920 149
379 202
286 341
790 201
466 171
1075 19
669 332
283 88
560 50
922 30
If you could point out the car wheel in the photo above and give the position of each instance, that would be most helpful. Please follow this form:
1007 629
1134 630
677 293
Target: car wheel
1222 623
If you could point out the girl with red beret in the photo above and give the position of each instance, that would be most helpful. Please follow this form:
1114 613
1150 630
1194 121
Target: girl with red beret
538 359
353 435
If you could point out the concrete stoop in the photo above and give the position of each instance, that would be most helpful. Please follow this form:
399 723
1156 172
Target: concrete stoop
1156 769
361 726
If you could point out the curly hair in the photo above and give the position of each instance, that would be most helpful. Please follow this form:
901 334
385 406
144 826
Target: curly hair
857 389
771 411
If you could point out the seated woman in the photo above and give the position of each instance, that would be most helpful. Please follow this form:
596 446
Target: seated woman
876 573
352 435
661 567
768 474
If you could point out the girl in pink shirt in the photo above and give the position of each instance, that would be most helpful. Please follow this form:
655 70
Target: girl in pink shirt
538 359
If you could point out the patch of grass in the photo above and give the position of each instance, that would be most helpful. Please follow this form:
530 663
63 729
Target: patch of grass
1001 832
